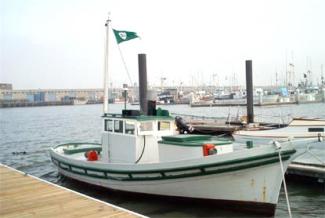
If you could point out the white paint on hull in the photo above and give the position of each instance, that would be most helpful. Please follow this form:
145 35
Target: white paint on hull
298 128
252 185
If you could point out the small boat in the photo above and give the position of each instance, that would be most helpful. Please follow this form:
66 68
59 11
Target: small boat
144 154
147 154
80 101
297 129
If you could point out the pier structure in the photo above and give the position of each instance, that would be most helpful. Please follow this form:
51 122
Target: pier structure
47 95
23 195
10 97
195 96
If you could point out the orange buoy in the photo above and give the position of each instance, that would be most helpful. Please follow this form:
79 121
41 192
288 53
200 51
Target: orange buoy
209 149
92 155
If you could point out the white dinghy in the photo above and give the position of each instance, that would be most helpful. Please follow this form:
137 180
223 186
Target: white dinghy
297 130
146 154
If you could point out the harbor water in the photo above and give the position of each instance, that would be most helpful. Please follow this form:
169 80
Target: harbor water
28 133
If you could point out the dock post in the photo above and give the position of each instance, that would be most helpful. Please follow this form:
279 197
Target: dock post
142 61
249 91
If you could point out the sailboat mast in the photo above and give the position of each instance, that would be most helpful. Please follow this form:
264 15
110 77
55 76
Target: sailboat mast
105 109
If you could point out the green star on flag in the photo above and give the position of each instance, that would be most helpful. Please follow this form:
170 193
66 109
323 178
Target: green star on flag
122 36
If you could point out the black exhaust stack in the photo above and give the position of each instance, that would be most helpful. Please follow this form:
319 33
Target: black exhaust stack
142 61
249 91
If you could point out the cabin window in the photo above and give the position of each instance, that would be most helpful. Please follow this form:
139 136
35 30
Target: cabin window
163 125
146 126
118 126
129 128
315 129
109 125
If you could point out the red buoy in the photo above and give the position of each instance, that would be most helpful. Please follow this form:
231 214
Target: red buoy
209 149
92 155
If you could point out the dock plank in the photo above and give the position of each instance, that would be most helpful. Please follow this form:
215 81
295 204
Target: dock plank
25 196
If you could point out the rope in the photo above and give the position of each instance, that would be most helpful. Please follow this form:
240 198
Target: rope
144 145
123 60
124 64
284 184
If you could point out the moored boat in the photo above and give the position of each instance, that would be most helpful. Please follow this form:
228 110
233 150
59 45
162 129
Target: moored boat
144 153
297 129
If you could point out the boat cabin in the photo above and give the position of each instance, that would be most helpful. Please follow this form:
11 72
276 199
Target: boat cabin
134 139
154 139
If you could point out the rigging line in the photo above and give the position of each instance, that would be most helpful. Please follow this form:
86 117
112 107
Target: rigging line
124 63
123 60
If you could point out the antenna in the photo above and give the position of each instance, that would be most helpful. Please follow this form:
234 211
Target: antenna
276 78
309 80
322 75
290 72
162 79
293 77
286 71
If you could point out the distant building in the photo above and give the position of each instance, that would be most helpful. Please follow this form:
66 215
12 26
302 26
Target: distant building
49 95
5 86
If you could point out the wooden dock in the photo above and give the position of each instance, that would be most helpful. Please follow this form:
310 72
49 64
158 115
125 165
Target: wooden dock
23 195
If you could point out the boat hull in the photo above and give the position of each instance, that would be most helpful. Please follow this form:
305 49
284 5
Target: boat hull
255 207
250 181
297 130
259 139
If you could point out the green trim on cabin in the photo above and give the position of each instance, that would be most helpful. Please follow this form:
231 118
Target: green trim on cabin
138 118
186 137
196 143
193 140
162 118
202 170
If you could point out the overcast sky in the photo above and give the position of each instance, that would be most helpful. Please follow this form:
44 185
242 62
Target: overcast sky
60 43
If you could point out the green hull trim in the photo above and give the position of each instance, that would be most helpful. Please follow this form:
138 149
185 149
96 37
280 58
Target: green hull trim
85 149
224 163
162 174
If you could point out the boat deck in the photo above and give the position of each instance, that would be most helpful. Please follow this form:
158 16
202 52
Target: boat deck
215 129
27 196
311 163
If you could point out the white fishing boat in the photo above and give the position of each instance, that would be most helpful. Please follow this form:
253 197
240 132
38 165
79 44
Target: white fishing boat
146 154
80 101
297 129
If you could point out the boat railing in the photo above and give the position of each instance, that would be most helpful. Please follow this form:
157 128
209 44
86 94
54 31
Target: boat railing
280 119
200 117
259 118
